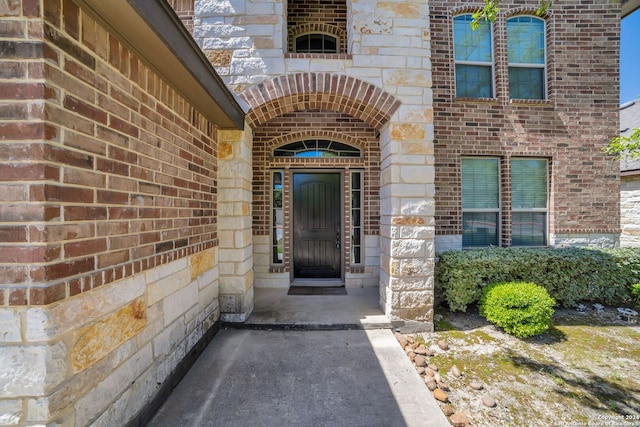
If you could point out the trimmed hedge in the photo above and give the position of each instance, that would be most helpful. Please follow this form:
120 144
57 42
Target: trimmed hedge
521 309
569 275
635 290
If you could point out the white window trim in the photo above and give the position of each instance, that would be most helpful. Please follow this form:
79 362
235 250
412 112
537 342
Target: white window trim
545 75
478 63
534 210
497 210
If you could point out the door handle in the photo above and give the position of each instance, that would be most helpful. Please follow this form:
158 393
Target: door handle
338 239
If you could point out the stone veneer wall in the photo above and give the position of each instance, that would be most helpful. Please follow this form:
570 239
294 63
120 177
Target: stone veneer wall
108 244
387 58
569 128
630 210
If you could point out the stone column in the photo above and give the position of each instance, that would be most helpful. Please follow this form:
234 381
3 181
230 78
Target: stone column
407 224
234 224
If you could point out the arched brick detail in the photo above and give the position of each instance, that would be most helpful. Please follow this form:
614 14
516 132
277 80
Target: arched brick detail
317 28
319 91
314 134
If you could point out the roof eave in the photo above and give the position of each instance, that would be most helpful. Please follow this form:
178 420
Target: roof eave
152 30
629 6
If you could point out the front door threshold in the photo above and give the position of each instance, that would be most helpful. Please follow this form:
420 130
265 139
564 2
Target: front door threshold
321 283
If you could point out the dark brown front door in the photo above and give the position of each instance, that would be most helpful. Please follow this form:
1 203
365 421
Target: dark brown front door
316 225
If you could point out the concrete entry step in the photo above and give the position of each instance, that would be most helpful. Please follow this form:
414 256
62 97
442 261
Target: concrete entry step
274 309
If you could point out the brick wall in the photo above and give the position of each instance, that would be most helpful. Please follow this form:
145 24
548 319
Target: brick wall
185 10
301 125
569 128
109 271
332 13
106 170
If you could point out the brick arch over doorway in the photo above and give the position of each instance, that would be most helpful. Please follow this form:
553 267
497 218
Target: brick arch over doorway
319 91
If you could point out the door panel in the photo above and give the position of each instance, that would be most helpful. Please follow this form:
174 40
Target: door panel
316 225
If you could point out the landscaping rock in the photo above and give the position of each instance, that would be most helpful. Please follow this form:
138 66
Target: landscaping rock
401 339
420 360
411 355
420 370
440 395
448 410
456 372
421 350
489 402
429 372
431 383
443 345
437 377
433 367
476 385
443 386
459 419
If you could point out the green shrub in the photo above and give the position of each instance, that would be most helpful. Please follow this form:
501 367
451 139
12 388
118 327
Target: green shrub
570 275
521 309
635 289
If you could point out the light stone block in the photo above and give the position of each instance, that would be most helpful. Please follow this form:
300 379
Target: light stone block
50 322
179 302
102 395
219 7
10 329
215 27
11 412
207 295
209 278
32 370
408 248
168 285
235 255
407 77
165 270
378 62
214 43
417 207
95 341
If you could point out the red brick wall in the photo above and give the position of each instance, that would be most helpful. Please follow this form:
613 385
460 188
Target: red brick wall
185 10
105 171
579 117
329 12
330 125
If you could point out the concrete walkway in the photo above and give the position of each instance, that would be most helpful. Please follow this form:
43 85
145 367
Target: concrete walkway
355 374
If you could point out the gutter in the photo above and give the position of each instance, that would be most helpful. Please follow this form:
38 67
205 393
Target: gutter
152 30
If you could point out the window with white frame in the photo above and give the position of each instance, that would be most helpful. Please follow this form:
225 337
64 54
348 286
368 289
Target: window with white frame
529 201
473 55
316 43
527 57
480 202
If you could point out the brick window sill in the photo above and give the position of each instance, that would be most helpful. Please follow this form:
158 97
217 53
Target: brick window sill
291 55
483 100
544 102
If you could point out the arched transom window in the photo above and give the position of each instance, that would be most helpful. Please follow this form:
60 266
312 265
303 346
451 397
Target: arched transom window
317 148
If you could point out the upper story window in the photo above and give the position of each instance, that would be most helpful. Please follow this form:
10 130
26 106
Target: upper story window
316 43
473 56
527 59
318 27
317 148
